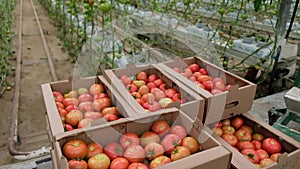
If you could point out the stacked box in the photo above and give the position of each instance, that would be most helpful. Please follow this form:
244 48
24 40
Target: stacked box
53 119
194 105
219 106
213 154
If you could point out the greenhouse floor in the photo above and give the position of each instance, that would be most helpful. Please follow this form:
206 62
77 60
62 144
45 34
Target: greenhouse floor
259 109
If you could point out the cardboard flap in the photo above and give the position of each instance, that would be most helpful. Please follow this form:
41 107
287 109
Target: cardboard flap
98 122
283 158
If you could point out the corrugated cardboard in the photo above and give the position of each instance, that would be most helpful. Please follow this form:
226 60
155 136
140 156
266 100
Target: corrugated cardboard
289 160
194 106
213 155
238 100
53 118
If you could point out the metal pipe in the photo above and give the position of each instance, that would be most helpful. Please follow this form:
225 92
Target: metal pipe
13 139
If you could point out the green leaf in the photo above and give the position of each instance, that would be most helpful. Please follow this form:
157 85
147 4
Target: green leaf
257 4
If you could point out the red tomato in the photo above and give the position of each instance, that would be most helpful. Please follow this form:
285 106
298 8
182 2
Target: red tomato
100 104
257 136
93 149
178 98
71 107
100 96
215 91
247 128
275 156
132 88
151 85
188 73
219 85
151 106
237 122
92 115
194 67
140 101
243 135
193 79
180 152
160 127
68 127
176 69
85 98
226 122
62 112
134 153
110 110
159 95
218 131
158 82
170 142
137 166
196 75
152 78
153 150
99 161
227 87
262 154
85 123
230 138
59 98
207 85
271 145
228 130
136 95
86 106
119 163
96 88
159 161
74 117
77 164
128 139
170 92
265 162
114 150
70 101
56 93
110 117
143 89
251 154
245 145
191 143
203 71
257 144
163 86
149 137
148 97
59 105
75 149
178 130
142 76
125 80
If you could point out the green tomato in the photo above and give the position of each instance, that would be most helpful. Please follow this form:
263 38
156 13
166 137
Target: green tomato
231 9
86 6
244 16
105 7
221 11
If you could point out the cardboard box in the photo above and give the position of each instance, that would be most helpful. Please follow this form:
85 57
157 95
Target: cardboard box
194 105
213 155
289 160
54 120
237 100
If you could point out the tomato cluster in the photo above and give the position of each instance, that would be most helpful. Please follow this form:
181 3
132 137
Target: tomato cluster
162 144
200 76
150 91
254 146
78 108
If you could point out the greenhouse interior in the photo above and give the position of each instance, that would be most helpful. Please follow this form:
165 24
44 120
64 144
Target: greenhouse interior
143 84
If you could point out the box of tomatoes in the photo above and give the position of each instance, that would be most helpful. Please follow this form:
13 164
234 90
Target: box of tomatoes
165 139
78 103
225 93
256 144
148 89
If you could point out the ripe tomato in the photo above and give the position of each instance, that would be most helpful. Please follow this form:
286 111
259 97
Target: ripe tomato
243 135
275 156
245 145
119 163
152 106
137 166
74 117
251 155
188 73
110 117
59 98
178 130
159 161
93 149
271 145
134 153
70 101
257 144
170 142
151 85
153 150
77 164
100 104
159 95
176 69
56 93
227 87
160 127
137 84
257 136
219 85
158 82
136 95
149 137
68 127
125 80
194 67
100 96
152 78
170 92
163 86
86 106
99 161
75 149
143 89
148 97
247 128
128 139
96 88
191 143
178 98
62 112
114 150
215 91
228 130
85 123
226 122
92 115
142 76
85 98
218 131
59 105
110 110
203 71
262 154
265 162
208 85
71 107
230 138
180 152
203 78
237 122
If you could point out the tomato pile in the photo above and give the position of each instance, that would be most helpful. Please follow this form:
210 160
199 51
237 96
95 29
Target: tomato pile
150 91
78 108
162 144
254 146
200 76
